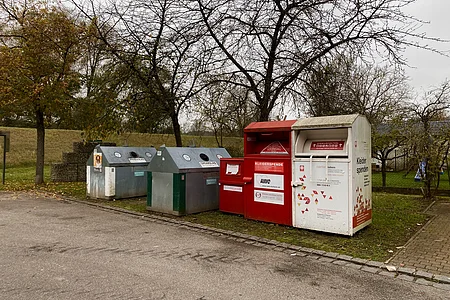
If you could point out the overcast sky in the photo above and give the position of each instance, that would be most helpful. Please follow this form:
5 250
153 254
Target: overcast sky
430 69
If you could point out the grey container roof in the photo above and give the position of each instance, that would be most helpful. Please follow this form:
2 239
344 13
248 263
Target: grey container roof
187 160
326 122
123 156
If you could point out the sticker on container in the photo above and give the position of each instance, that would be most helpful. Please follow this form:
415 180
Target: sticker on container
274 148
269 197
139 173
208 164
269 166
232 188
269 181
211 181
136 160
98 157
232 169
327 145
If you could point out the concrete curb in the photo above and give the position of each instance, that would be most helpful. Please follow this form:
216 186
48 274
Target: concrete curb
374 267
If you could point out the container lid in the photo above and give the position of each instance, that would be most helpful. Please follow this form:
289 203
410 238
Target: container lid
326 122
124 156
270 126
186 159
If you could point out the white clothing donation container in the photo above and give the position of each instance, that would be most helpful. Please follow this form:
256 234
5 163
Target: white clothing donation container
331 174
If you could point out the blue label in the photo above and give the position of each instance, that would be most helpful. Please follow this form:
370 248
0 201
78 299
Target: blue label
139 173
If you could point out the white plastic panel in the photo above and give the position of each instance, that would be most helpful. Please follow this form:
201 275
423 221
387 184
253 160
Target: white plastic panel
88 180
110 181
321 201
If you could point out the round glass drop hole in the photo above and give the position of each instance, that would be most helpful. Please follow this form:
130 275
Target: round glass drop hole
204 157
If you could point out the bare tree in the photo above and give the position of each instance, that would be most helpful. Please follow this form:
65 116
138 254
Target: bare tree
159 42
227 110
429 134
344 86
386 139
272 44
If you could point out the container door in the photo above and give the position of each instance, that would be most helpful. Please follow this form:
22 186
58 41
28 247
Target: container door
268 197
321 191
231 197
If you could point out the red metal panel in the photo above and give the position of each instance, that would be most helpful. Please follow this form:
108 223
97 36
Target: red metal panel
270 126
231 195
268 163
269 195
260 136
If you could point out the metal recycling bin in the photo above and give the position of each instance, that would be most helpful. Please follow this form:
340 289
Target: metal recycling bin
332 187
183 180
118 172
267 171
231 195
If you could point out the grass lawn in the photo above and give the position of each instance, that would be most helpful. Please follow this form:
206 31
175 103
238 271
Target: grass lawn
23 143
398 179
395 219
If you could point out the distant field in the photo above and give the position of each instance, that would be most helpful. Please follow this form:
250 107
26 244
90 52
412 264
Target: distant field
57 141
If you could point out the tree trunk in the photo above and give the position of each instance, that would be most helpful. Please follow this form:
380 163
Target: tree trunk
176 129
264 113
40 130
428 179
383 172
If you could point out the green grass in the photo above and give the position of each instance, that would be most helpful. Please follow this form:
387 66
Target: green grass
395 219
23 143
399 180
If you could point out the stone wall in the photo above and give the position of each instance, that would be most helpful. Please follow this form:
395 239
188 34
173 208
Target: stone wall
73 167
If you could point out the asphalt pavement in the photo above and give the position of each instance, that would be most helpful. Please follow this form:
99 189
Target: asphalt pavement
52 248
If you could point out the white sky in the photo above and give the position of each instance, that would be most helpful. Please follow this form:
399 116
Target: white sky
430 69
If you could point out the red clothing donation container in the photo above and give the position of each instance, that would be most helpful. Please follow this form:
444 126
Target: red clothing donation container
267 169
231 182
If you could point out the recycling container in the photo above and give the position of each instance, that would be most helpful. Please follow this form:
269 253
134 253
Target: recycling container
118 172
231 184
267 170
183 180
332 187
